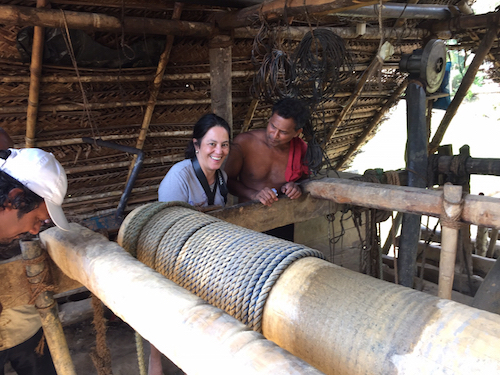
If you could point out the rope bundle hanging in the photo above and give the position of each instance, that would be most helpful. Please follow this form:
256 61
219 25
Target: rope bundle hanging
230 267
321 63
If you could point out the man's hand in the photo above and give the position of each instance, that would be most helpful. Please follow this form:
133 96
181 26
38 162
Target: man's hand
266 196
291 190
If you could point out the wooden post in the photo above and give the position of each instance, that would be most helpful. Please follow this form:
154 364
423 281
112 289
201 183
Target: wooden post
493 242
35 75
452 197
467 81
220 55
47 307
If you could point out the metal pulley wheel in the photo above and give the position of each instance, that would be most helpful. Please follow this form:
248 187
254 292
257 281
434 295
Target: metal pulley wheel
429 64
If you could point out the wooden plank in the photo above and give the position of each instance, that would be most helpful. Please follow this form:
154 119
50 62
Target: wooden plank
255 216
276 9
478 210
15 289
221 91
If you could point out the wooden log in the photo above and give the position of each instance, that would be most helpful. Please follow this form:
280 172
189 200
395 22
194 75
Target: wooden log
279 9
483 49
15 290
25 16
220 56
478 210
493 246
255 216
482 166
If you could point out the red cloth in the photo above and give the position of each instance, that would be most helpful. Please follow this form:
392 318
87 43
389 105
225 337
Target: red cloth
295 169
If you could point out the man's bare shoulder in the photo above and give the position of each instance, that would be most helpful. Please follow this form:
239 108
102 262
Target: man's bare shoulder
250 138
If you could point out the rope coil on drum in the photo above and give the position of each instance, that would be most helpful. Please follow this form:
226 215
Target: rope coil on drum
230 267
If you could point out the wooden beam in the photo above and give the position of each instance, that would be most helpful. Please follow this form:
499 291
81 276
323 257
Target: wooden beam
484 48
478 210
255 216
280 9
472 22
35 74
220 55
374 122
24 16
372 33
374 66
127 78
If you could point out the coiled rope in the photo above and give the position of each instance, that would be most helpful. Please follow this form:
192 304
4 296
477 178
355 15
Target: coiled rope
230 267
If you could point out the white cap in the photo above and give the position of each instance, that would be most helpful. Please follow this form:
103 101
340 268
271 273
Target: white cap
40 172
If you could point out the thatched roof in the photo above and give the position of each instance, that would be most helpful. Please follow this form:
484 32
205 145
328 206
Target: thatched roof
116 97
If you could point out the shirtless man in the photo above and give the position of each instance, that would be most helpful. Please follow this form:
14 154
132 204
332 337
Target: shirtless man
258 159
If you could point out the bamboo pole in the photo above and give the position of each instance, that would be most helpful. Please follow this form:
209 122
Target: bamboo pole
452 196
157 160
374 122
276 9
128 78
155 89
467 81
478 210
24 16
47 307
120 104
374 66
114 137
35 74
249 115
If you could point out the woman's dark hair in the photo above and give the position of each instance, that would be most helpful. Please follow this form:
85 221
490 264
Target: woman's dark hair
202 126
25 202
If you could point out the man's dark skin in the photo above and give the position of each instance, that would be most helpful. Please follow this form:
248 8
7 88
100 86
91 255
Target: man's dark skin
257 162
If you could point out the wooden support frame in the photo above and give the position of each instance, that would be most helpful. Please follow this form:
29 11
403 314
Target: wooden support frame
249 115
468 79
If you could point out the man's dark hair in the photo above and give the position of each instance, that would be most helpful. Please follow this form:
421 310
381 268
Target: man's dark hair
25 202
294 109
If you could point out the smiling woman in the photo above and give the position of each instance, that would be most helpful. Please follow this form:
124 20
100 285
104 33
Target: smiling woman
198 180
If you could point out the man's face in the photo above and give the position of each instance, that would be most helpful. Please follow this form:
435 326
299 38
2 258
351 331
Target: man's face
280 131
14 226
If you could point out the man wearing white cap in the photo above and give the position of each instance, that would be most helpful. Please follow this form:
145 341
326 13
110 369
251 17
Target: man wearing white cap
32 188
